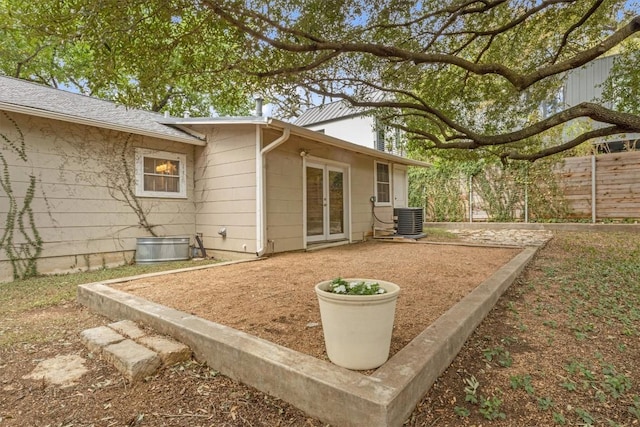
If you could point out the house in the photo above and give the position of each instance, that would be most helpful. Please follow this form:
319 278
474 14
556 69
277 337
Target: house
83 178
357 125
585 84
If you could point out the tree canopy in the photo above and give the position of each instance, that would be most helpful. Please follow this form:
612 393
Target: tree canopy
158 55
457 74
466 75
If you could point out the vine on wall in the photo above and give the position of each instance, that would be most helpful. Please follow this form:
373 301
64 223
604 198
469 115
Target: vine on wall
123 188
111 155
439 190
20 241
499 190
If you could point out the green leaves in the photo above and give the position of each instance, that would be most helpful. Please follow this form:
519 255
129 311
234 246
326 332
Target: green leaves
341 286
163 56
455 75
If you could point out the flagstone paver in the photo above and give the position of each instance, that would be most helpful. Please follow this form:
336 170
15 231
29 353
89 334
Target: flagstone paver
133 360
134 353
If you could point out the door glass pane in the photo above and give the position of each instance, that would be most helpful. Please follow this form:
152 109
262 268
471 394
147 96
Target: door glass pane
336 202
315 202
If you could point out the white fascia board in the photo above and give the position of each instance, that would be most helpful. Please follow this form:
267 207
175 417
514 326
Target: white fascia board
186 121
97 123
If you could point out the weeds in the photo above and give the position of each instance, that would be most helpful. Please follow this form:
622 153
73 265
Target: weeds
471 389
498 354
545 403
522 381
586 418
634 409
585 306
559 419
488 406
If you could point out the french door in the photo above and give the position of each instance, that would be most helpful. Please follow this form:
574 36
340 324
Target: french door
325 202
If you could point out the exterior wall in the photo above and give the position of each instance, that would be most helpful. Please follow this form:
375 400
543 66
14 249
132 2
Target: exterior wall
284 182
358 130
585 85
79 213
225 187
84 209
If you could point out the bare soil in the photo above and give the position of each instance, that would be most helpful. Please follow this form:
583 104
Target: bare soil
548 326
275 299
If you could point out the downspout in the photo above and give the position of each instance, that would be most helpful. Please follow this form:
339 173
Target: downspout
261 202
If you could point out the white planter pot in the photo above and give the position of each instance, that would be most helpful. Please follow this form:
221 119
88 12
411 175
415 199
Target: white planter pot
357 328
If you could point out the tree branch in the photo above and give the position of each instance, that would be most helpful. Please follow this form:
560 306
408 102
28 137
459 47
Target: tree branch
575 26
518 80
598 133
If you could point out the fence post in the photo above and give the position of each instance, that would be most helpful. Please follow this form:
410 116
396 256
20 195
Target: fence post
526 199
470 198
593 188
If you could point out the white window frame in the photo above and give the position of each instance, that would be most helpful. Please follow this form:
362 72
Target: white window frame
376 182
141 153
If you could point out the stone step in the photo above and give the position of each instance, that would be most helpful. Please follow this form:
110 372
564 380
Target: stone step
170 351
132 351
95 339
133 360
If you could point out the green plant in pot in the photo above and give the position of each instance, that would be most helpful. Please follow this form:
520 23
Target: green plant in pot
357 320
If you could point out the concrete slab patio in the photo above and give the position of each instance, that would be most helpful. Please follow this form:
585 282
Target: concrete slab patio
323 390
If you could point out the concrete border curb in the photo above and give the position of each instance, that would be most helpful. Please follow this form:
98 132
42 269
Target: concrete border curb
564 226
321 389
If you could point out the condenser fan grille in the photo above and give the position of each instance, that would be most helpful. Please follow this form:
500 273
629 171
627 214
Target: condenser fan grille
409 220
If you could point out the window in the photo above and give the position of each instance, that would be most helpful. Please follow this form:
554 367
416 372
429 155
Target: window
383 184
380 139
160 174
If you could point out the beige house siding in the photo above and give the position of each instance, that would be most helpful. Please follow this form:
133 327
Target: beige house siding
80 216
225 188
284 182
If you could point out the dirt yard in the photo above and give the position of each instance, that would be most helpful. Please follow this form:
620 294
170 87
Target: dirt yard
559 348
274 298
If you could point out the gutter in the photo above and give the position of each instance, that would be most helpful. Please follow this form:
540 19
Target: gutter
261 203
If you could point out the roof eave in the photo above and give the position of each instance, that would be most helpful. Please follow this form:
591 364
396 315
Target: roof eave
298 130
97 123
329 140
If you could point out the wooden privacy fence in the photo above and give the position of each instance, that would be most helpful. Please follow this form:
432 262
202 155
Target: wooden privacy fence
600 187
605 186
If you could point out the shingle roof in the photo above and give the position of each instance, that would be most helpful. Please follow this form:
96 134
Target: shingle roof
20 95
327 112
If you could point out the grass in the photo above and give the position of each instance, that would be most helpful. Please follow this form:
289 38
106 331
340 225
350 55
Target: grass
50 290
434 233
574 325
